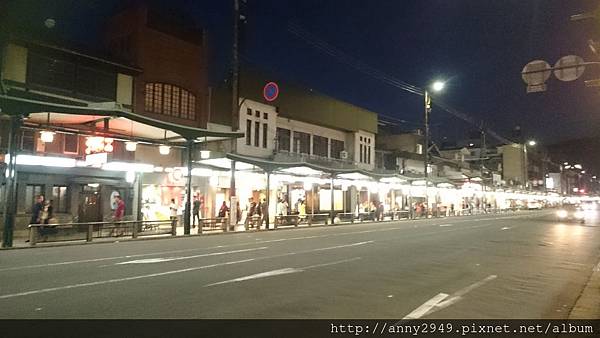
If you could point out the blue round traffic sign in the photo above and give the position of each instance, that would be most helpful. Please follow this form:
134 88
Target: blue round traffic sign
271 91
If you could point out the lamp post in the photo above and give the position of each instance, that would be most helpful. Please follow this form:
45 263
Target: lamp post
436 87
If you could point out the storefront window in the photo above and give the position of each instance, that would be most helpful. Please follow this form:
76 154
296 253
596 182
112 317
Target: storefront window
60 199
31 192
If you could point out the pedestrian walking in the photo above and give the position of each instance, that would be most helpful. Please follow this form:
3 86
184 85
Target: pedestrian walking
264 211
118 216
196 211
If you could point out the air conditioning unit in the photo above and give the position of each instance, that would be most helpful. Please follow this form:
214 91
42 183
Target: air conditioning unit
344 155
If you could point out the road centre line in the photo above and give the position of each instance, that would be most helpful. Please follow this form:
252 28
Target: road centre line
93 260
171 272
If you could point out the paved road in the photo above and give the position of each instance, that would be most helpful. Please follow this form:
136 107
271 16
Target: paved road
523 265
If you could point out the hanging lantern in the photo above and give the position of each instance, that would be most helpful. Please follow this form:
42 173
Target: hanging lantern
164 150
47 136
130 146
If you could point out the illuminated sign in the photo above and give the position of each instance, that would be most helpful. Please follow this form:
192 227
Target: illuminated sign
98 144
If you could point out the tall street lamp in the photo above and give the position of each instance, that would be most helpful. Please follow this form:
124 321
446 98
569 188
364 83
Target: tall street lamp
437 86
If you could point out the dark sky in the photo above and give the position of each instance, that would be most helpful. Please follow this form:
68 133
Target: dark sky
479 46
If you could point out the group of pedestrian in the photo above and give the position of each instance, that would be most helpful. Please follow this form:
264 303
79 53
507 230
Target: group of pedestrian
256 213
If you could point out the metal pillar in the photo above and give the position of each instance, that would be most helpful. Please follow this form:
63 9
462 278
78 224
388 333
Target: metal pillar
10 199
266 216
332 201
188 201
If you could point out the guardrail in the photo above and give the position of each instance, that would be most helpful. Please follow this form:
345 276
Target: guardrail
218 223
90 230
297 219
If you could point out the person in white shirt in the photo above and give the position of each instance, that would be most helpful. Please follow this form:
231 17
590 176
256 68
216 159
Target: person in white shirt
173 212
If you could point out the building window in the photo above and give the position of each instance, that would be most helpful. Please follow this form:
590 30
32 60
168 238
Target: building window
257 113
170 100
301 142
337 147
249 111
248 132
420 149
365 149
60 198
265 134
185 104
71 145
31 192
256 134
192 108
320 145
361 152
28 141
158 99
266 116
175 104
168 108
66 76
283 139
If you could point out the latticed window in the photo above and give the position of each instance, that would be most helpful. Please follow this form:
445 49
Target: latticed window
170 100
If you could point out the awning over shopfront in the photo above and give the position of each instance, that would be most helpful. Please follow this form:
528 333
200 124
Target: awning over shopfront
121 122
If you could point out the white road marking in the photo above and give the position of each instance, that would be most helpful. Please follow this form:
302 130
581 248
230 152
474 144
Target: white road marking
117 280
170 259
446 225
441 300
426 307
506 228
457 296
278 272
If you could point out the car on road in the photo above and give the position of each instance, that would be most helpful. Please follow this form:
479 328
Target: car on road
571 212
535 205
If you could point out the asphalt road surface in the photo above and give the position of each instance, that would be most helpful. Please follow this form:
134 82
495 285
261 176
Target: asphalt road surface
521 265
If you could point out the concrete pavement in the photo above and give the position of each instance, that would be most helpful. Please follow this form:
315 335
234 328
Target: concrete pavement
523 265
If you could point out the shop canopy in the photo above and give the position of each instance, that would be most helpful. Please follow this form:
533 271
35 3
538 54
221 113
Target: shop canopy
305 168
108 118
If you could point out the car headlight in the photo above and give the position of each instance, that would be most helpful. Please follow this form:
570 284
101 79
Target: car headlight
579 214
562 213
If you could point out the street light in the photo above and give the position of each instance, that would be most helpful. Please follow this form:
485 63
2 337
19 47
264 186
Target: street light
437 86
532 143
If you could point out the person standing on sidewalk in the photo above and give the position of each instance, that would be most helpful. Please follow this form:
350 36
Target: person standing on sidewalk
173 212
196 211
118 216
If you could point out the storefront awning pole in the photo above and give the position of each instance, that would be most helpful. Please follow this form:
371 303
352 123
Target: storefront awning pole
332 201
188 201
266 216
10 198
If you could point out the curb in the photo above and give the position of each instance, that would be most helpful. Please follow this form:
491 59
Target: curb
587 305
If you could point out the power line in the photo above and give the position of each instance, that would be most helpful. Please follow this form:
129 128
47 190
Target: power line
342 57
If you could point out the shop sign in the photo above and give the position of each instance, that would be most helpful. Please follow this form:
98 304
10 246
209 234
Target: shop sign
98 144
96 160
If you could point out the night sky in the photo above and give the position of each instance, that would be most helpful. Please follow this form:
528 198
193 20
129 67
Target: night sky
479 46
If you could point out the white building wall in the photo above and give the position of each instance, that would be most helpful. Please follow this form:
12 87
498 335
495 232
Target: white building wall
251 150
368 142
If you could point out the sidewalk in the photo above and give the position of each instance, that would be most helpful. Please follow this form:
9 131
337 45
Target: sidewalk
587 305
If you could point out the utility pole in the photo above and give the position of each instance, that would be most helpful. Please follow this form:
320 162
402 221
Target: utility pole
426 149
235 108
